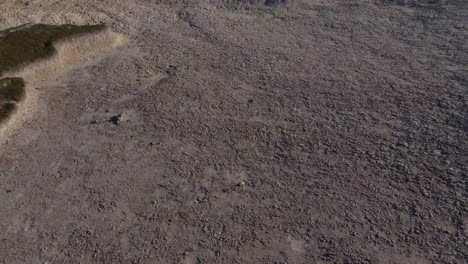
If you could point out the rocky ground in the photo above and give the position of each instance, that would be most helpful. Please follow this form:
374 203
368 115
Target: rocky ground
300 131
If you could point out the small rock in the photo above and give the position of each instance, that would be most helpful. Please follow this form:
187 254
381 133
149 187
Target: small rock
116 120
124 117
241 184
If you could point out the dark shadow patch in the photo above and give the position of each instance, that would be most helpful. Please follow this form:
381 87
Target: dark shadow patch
22 45
11 93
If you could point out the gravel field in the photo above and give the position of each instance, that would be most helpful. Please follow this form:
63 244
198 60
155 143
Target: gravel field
224 131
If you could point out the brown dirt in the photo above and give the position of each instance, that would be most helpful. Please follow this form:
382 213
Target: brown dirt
317 132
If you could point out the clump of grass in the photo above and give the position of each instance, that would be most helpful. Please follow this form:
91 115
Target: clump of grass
26 44
11 93
23 45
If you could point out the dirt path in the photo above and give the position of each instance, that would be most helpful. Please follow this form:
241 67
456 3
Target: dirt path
326 132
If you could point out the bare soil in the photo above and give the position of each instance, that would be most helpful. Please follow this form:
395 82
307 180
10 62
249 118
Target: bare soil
294 132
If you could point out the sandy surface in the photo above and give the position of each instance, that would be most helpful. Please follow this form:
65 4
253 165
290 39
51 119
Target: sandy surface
324 132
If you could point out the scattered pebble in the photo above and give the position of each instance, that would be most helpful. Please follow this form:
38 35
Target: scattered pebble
117 119
241 184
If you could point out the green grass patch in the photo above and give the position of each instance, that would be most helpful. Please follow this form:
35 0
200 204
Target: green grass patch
23 45
26 44
12 91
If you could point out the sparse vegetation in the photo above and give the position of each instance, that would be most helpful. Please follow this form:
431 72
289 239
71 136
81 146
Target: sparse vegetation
23 45
11 92
26 44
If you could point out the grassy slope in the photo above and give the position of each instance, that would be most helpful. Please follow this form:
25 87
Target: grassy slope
24 45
